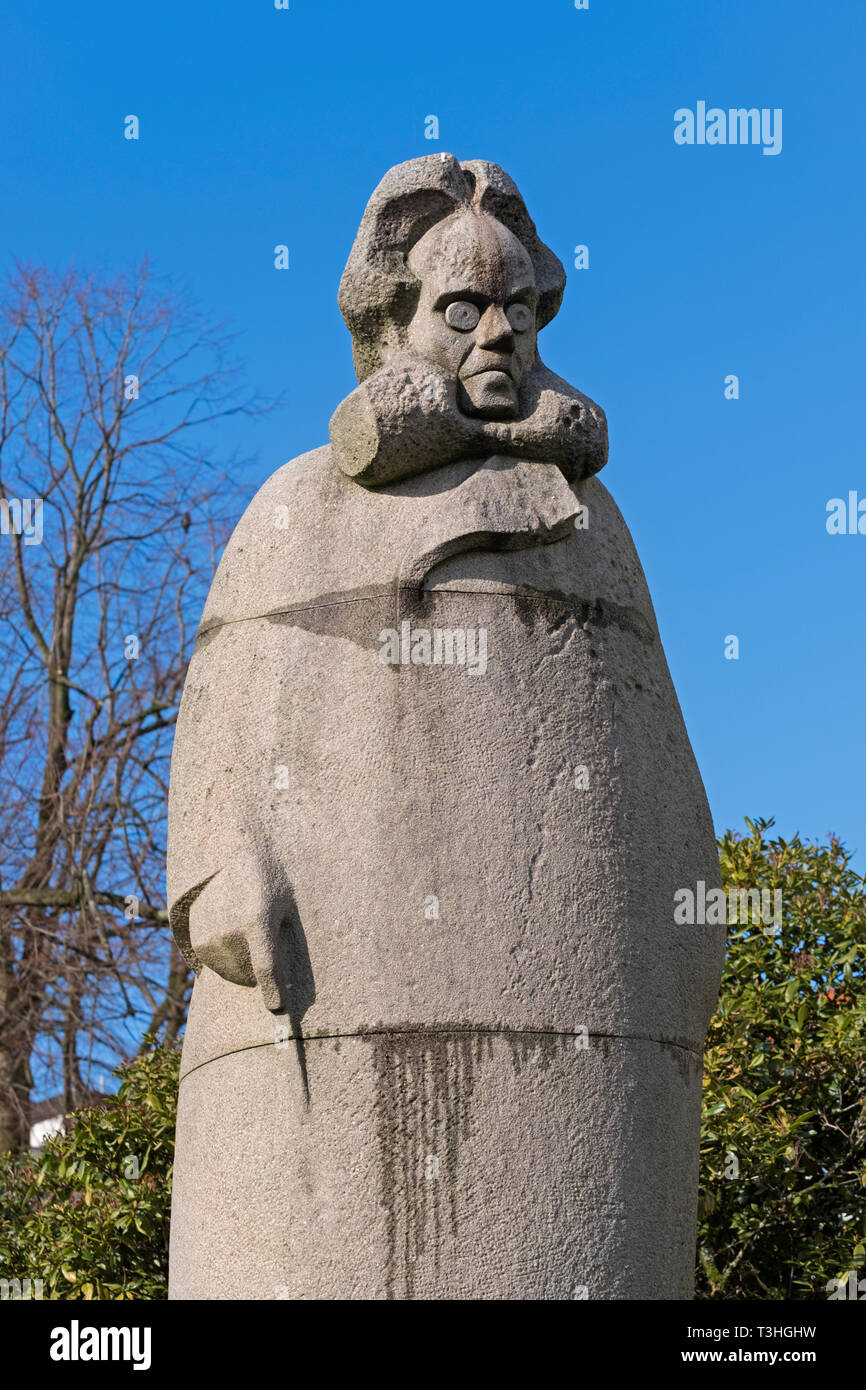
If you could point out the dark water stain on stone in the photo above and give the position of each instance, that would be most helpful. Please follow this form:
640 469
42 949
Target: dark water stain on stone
688 1062
424 1084
537 1049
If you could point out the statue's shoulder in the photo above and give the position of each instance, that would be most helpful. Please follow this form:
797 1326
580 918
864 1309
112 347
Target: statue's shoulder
308 476
268 556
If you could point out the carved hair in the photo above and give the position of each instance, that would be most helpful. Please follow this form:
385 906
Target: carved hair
378 292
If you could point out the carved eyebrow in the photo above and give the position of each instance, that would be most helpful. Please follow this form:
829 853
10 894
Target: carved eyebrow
481 300
456 296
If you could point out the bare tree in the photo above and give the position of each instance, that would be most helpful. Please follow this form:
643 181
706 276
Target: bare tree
109 393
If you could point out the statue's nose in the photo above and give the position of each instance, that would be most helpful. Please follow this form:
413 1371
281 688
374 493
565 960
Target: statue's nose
494 330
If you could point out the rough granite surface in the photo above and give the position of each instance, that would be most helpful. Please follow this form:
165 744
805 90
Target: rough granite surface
445 1037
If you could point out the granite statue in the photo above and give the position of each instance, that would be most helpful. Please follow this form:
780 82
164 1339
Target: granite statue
431 799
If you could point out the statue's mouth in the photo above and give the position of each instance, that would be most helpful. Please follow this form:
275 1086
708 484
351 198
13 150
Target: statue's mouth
493 369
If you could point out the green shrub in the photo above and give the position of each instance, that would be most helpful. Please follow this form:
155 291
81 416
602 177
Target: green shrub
89 1215
783 1195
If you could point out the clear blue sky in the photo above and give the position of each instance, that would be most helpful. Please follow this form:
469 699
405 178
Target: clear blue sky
261 126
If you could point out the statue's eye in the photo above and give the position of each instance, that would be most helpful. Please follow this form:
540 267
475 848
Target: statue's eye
519 316
462 316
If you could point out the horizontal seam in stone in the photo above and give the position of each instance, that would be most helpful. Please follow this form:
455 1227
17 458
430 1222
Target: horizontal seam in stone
437 1032
387 591
286 612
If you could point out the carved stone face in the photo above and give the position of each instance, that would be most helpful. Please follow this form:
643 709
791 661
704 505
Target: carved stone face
475 317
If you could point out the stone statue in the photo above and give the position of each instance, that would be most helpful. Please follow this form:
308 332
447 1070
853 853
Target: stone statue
431 799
